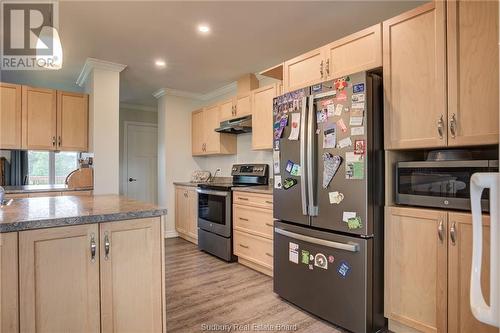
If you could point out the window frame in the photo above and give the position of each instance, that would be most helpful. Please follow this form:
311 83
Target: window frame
52 165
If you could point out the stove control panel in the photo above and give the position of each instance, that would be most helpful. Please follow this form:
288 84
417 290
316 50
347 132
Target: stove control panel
259 170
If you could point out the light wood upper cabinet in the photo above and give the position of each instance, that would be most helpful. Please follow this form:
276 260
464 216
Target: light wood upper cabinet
72 121
414 60
57 274
9 297
205 141
39 118
131 286
10 116
226 109
186 212
416 268
472 36
304 70
262 117
355 53
198 140
243 105
460 317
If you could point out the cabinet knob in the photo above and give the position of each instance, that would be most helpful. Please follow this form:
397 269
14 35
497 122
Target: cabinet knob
107 246
453 233
60 141
453 126
440 126
327 67
93 248
441 231
321 68
53 141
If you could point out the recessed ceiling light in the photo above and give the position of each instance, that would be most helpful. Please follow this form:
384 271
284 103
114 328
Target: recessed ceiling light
203 28
160 63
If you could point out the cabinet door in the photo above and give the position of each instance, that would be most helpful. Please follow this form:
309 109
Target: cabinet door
304 70
10 116
211 120
472 72
181 209
72 121
243 105
415 78
39 121
131 288
192 213
460 318
355 53
9 297
262 117
226 110
197 133
415 268
59 280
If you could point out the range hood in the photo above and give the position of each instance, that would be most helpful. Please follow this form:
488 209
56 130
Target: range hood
236 126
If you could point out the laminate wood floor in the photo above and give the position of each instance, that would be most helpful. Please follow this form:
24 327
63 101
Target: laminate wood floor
203 291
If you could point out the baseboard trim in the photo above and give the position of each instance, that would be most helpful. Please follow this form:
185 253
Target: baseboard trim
171 234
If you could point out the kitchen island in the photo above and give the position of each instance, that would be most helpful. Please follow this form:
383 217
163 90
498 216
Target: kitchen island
88 264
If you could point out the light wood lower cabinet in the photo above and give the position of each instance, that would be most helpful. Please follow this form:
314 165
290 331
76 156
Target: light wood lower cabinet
9 297
92 278
186 213
253 230
131 286
428 256
59 280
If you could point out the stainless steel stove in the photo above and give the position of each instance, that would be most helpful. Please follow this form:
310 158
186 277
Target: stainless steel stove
215 225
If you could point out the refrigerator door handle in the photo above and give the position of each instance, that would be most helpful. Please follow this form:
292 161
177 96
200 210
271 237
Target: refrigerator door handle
489 314
303 182
311 154
351 247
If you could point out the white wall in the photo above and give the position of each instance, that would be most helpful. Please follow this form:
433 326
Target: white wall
130 114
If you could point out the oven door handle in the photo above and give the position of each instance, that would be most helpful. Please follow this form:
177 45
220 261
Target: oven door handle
212 192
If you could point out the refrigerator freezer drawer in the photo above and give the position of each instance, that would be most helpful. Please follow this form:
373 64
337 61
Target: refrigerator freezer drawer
326 274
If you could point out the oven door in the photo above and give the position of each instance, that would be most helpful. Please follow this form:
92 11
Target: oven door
443 184
214 211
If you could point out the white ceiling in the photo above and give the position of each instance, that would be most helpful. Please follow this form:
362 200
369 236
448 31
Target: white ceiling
246 37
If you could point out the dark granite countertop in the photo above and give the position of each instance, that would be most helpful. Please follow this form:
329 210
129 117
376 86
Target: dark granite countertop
41 188
187 184
47 212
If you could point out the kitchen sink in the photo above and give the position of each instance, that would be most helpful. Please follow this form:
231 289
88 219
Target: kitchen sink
6 202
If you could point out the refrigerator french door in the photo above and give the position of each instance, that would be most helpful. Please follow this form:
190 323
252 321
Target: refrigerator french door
313 215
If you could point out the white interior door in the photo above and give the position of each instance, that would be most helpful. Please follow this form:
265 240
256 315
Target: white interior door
141 156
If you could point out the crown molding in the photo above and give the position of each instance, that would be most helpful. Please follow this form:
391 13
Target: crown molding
138 107
229 88
93 63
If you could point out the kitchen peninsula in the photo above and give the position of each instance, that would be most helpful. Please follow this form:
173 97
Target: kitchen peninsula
89 262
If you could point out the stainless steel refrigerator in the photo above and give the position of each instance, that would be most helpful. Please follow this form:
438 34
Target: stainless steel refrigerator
328 200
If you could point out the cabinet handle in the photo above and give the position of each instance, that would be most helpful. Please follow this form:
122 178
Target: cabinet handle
327 67
269 254
243 219
240 198
243 246
269 202
60 141
53 141
453 233
269 224
441 231
440 127
93 248
321 68
453 126
107 245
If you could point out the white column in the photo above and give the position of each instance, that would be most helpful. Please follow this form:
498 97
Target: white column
175 162
101 80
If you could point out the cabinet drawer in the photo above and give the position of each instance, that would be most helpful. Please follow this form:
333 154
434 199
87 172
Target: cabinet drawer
253 199
257 221
16 195
256 249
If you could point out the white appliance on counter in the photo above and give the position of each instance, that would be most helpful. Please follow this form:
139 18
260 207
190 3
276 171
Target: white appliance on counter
488 314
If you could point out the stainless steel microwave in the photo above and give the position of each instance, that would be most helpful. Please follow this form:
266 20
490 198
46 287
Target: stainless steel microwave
440 184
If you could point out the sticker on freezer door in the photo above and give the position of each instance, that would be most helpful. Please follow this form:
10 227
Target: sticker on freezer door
304 257
335 197
289 183
343 269
320 261
277 182
354 223
358 88
295 170
331 164
330 136
342 125
294 133
293 252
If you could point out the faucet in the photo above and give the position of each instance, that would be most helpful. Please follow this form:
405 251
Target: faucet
211 179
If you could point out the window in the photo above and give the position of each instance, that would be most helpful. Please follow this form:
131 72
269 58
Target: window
48 168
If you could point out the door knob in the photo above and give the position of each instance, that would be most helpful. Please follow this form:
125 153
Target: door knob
132 179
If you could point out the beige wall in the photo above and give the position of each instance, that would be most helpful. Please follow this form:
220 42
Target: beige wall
128 113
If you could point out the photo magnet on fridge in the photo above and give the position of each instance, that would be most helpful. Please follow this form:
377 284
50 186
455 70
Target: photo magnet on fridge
320 261
289 166
343 269
289 183
358 88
